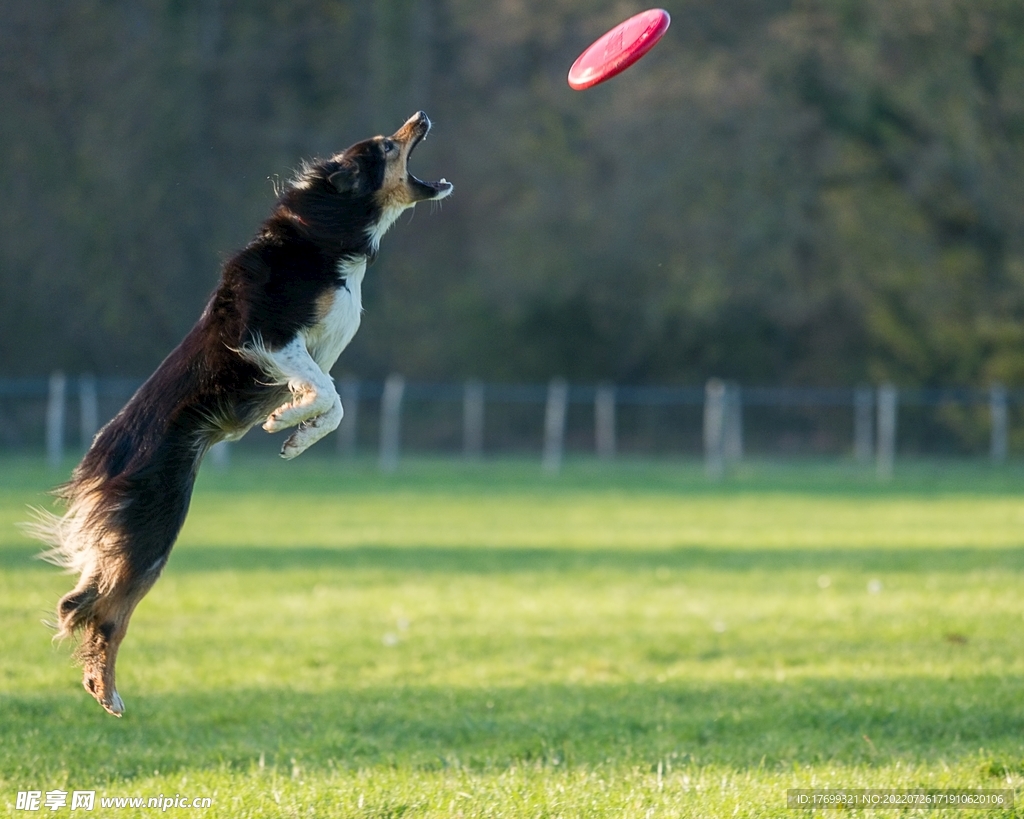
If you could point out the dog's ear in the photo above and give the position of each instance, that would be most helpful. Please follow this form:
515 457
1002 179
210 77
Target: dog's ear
347 178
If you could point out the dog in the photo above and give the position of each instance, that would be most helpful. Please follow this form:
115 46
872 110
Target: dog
285 308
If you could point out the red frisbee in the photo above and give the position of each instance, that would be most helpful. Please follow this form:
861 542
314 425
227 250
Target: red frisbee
618 49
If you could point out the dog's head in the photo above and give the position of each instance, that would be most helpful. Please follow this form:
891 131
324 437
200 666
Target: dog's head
355 196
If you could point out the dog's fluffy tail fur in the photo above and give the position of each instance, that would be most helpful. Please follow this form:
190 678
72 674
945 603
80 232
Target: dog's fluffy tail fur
85 541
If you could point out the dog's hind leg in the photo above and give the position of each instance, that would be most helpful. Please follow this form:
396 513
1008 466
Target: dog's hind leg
116 536
102 618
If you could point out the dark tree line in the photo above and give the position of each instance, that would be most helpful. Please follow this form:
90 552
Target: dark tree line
812 191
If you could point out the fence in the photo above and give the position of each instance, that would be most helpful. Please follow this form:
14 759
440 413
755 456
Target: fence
721 422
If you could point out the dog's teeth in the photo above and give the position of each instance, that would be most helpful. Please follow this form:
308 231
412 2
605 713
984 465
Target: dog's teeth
443 181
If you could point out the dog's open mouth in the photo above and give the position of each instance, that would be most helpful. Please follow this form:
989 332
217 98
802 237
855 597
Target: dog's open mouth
413 133
439 189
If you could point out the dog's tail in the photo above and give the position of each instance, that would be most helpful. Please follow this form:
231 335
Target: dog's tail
86 540
74 544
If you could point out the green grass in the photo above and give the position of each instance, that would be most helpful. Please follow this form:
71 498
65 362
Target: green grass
483 641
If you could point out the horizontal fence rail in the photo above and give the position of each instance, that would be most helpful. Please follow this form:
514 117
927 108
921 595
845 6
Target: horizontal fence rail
722 422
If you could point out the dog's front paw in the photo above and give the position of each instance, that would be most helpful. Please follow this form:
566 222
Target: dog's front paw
307 434
297 443
306 408
311 431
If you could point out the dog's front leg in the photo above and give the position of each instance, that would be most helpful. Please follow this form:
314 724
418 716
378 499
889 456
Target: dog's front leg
315 406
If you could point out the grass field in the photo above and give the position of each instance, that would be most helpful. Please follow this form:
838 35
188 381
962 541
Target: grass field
480 640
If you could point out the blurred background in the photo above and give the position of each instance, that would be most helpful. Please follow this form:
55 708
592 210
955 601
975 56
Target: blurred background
812 193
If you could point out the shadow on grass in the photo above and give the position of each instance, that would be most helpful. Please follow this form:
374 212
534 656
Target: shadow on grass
504 560
320 472
447 560
918 720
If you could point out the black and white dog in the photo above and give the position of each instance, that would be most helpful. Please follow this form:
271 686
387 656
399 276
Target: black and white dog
285 308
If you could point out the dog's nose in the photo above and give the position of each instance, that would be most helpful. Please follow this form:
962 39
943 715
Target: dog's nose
419 120
414 128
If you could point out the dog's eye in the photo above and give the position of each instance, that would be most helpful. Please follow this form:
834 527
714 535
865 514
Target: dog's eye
389 147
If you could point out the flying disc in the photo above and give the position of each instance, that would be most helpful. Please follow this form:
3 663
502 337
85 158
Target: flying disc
617 50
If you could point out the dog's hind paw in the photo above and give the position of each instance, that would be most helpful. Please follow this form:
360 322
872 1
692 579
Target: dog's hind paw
113 704
106 695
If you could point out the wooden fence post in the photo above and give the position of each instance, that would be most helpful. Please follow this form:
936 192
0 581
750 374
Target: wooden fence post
732 425
554 425
604 421
714 429
863 432
999 445
473 420
888 399
391 422
56 402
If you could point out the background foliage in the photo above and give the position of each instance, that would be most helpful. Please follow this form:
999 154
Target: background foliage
803 191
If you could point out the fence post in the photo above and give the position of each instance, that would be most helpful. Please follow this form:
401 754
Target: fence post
473 420
554 425
863 408
732 425
886 449
88 409
349 394
604 421
714 429
391 422
1000 423
55 407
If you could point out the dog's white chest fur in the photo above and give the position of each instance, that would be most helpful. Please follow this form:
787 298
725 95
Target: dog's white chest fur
305 361
341 314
